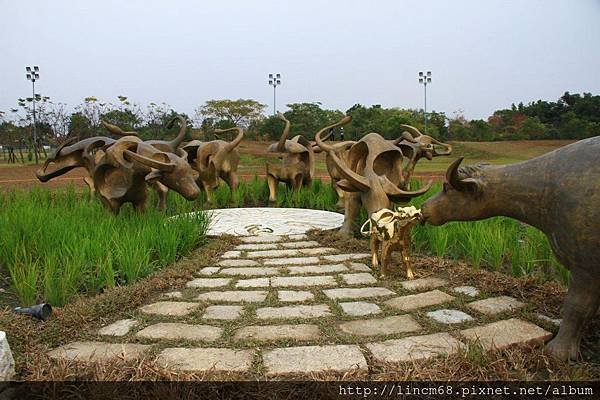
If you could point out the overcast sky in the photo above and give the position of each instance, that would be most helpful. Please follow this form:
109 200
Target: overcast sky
484 55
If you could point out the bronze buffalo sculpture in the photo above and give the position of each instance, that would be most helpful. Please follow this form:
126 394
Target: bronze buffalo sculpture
558 193
415 145
214 160
297 167
69 155
372 175
126 166
341 151
119 169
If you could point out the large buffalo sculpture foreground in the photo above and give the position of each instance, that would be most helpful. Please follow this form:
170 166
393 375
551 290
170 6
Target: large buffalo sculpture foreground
558 193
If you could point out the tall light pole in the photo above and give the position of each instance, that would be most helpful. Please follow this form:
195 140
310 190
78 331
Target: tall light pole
33 75
425 78
274 80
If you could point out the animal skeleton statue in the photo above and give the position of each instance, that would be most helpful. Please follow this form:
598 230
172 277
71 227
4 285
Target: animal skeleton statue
341 150
415 145
69 155
123 170
391 230
215 159
298 162
372 175
162 145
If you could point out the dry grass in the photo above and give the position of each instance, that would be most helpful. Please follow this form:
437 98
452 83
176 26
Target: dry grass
31 340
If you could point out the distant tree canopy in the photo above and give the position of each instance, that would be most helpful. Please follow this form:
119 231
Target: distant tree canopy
572 116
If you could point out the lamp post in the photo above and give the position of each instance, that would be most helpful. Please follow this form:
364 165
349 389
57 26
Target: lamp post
33 75
425 78
274 80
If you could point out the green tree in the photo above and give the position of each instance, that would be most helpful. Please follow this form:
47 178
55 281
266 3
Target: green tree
241 112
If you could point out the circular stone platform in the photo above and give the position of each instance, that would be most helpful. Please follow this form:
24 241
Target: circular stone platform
270 221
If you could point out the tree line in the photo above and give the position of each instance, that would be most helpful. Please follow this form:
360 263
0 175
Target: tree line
572 116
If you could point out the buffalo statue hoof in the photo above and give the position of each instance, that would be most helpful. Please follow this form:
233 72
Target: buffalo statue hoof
562 350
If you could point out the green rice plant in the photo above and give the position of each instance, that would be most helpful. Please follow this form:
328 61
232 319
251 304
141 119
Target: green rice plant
57 244
24 274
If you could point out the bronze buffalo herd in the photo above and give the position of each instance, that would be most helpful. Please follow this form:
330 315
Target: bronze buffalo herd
558 193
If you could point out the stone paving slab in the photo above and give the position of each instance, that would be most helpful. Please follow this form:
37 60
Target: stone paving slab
357 293
360 308
467 290
496 305
172 295
414 348
449 316
317 269
232 254
170 308
250 271
303 281
253 283
503 334
208 282
361 278
7 362
273 253
118 328
238 263
299 311
346 257
317 251
223 312
267 333
206 359
257 246
292 261
208 271
294 295
415 301
261 239
380 326
555 321
360 267
173 331
424 283
297 236
314 359
300 245
98 351
235 296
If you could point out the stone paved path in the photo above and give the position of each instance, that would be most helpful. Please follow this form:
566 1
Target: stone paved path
278 305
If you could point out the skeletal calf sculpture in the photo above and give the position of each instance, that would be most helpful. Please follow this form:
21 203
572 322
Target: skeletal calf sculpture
390 230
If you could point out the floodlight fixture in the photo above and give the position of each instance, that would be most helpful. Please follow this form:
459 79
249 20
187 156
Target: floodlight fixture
275 80
425 79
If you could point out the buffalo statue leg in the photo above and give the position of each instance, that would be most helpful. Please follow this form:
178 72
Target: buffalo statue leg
350 213
90 182
162 192
272 182
340 194
374 250
580 305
